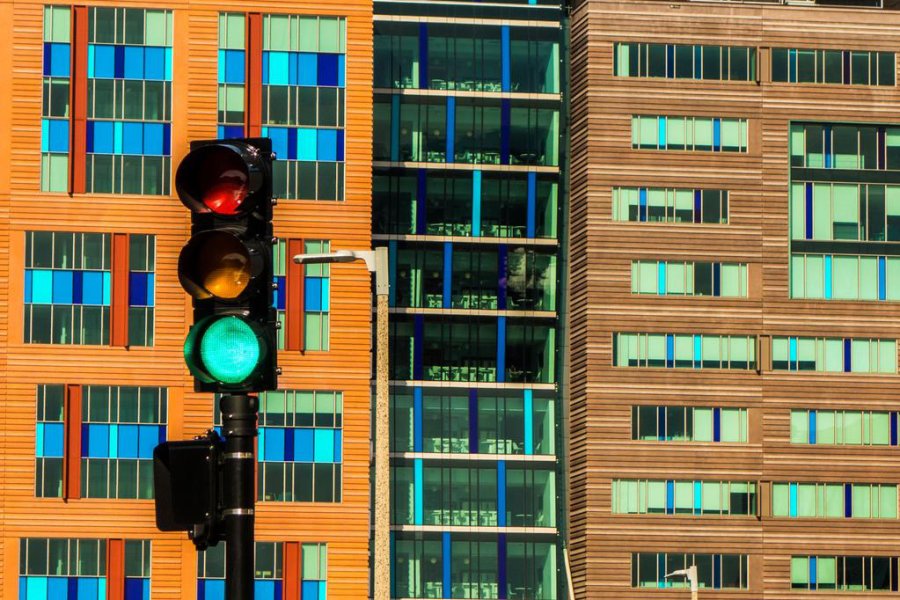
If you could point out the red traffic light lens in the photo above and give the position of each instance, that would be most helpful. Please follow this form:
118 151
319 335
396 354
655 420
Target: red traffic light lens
216 179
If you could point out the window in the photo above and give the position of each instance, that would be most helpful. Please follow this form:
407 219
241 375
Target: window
842 146
314 574
57 79
702 134
303 100
49 447
826 211
684 351
676 278
317 298
844 573
844 427
50 568
834 500
267 579
835 355
129 101
661 205
682 61
279 272
714 571
141 289
670 497
120 428
232 75
840 277
689 424
300 446
858 67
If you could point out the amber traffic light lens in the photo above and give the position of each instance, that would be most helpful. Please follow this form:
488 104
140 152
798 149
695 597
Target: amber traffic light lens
215 265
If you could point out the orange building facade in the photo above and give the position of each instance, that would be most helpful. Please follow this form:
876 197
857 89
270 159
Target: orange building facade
100 104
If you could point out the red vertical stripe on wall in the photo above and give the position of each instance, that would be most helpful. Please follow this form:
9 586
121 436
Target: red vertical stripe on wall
293 319
78 75
254 74
72 451
119 309
115 570
291 571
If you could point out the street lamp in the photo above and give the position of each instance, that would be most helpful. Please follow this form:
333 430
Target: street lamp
377 263
691 574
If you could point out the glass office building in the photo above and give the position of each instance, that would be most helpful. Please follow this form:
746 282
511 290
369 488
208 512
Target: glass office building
468 190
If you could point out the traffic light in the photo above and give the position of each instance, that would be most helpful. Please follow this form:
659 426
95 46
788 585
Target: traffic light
226 266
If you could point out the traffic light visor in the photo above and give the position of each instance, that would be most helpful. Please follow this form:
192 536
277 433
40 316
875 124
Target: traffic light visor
215 264
228 350
218 179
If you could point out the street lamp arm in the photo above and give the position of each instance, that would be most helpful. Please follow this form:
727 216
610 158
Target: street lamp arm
376 262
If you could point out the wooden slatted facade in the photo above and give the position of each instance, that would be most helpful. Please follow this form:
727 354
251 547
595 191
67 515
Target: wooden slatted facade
343 526
601 302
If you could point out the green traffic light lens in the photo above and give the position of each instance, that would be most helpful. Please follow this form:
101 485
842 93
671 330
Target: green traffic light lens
230 350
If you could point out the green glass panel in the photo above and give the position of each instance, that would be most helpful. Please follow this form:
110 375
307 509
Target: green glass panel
825 432
806 500
703 424
780 500
157 25
887 508
329 35
799 427
309 34
862 501
276 33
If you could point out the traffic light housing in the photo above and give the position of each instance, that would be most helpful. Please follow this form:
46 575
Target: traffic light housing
227 267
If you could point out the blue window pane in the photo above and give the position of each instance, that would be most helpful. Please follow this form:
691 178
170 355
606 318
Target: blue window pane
279 137
328 69
303 445
148 438
307 144
155 63
231 131
324 445
53 440
280 293
342 66
92 287
310 590
307 65
151 286
327 145
338 445
58 135
279 66
134 62
153 139
104 62
292 144
293 68
98 441
289 445
88 588
214 589
137 289
77 287
128 441
57 587
62 287
133 138
313 294
57 60
41 287
134 588
264 590
233 63
104 137
274 444
340 145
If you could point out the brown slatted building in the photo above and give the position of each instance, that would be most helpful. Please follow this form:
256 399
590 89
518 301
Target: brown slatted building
27 206
790 556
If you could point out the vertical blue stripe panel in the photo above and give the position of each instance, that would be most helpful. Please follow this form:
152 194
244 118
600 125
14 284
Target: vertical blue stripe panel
829 279
446 554
529 421
501 493
418 419
661 423
418 482
392 272
502 271
848 500
848 365
451 128
501 349
395 129
501 567
698 206
418 346
812 427
473 420
421 191
717 279
893 429
670 497
792 491
717 134
423 55
642 204
670 351
504 59
717 425
531 217
809 211
813 581
476 203
661 278
882 274
448 274
505 118
828 156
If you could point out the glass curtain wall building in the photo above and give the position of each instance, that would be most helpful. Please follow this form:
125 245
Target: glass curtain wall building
468 165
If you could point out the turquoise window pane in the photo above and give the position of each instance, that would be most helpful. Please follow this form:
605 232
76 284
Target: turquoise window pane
107 287
324 445
114 441
307 144
326 294
279 68
41 287
168 64
36 587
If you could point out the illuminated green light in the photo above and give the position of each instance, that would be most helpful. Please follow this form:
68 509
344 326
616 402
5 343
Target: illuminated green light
230 350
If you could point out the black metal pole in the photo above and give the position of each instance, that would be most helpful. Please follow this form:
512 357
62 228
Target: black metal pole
239 428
